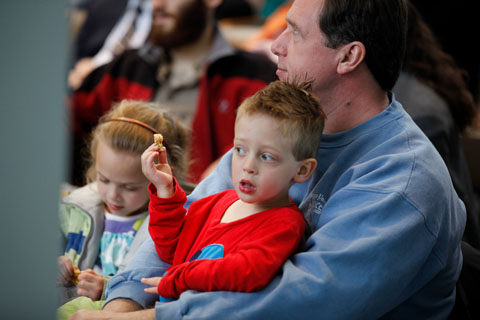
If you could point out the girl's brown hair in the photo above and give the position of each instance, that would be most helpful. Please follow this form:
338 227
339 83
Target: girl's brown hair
133 138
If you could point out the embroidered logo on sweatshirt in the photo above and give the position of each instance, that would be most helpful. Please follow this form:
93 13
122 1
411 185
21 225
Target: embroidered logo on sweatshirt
312 207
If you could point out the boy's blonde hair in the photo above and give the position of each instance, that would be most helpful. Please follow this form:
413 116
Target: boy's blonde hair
133 138
297 110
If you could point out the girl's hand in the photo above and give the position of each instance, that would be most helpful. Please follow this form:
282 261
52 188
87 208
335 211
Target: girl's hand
65 271
160 174
90 284
153 283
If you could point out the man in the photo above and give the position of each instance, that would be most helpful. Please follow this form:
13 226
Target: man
386 222
188 67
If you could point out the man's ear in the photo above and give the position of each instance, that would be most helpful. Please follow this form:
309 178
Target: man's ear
350 56
212 4
305 169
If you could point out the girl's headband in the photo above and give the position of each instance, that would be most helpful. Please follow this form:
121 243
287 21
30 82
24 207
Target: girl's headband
140 123
137 122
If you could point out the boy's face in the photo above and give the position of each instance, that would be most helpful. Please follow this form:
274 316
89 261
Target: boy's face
263 165
121 183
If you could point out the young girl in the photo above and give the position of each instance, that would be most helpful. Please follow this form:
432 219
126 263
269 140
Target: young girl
104 222
238 239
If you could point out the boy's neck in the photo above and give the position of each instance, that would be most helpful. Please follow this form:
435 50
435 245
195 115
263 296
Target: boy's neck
240 209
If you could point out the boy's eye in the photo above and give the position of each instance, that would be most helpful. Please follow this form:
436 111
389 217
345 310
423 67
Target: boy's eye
267 157
239 151
131 188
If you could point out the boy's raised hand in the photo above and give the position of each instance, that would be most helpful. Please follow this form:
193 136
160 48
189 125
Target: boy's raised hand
160 174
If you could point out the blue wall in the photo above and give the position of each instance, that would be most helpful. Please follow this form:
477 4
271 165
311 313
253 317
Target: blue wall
33 50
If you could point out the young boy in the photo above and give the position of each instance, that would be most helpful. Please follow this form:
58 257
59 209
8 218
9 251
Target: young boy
237 240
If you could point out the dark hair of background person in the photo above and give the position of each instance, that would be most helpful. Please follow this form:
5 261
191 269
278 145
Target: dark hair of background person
455 23
437 69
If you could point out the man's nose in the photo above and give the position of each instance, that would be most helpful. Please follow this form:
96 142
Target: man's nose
278 45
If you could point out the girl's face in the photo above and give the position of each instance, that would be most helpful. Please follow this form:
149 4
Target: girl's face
121 183
263 165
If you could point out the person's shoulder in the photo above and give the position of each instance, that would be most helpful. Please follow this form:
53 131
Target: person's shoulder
422 103
245 64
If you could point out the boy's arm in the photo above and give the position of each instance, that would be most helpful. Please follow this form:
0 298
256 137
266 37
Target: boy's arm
166 221
249 268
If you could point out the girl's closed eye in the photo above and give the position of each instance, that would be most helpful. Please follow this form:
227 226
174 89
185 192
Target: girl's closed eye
131 188
102 179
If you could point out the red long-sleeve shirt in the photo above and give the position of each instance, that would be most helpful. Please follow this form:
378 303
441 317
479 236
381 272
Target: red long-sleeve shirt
254 248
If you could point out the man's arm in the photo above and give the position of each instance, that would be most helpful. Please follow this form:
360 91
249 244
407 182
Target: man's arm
122 305
148 314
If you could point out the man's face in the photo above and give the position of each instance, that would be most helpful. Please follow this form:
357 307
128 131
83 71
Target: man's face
301 48
177 22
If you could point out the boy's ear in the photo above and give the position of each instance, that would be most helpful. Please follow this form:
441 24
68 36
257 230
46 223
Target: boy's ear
350 56
305 169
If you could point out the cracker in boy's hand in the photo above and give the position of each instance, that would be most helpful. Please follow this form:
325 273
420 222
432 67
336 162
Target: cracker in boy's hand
76 273
158 140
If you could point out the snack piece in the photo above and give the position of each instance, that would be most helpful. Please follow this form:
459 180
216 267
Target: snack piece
76 273
158 140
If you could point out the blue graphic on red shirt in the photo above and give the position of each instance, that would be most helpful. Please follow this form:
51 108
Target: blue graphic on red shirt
212 251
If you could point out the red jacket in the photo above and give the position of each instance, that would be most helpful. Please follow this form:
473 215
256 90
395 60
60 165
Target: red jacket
231 77
207 255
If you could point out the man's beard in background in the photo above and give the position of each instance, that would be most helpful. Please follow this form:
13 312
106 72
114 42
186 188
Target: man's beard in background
188 28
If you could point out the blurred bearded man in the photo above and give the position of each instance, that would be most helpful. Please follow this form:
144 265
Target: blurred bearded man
190 68
179 26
